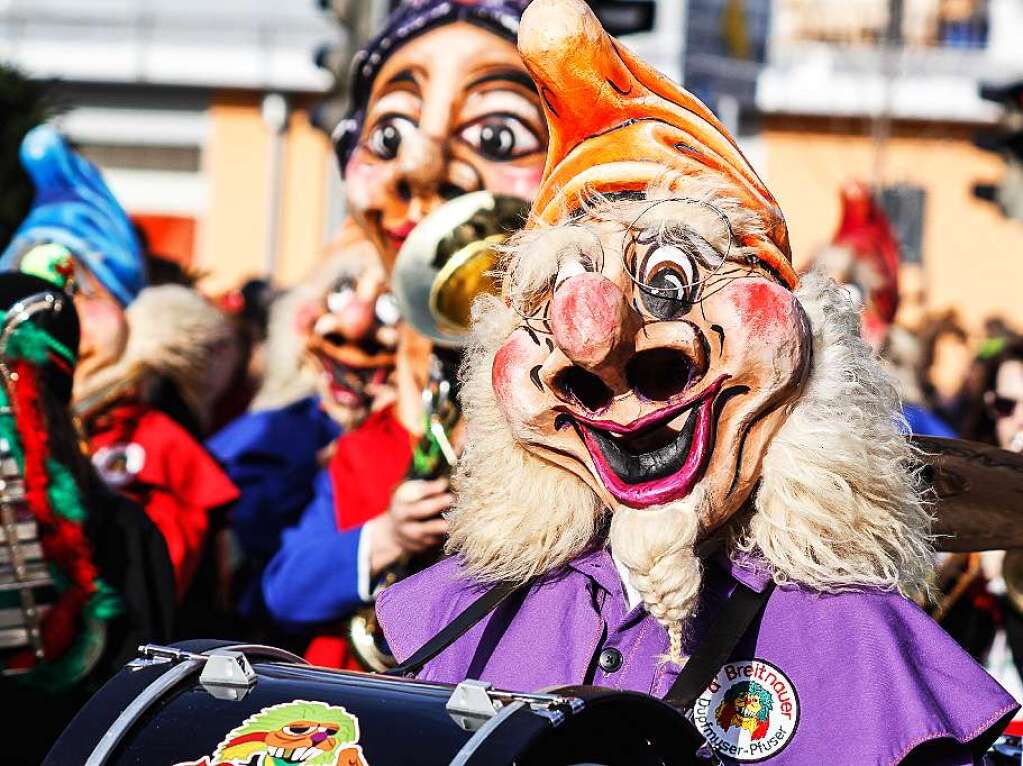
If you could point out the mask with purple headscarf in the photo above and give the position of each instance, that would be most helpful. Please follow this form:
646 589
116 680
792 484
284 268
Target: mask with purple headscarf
411 19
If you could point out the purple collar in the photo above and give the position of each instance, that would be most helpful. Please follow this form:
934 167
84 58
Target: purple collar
600 567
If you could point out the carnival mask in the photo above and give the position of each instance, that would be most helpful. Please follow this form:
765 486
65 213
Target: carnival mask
452 111
351 340
864 258
656 360
659 342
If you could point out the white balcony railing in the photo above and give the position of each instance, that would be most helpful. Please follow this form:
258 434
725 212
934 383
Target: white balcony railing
924 24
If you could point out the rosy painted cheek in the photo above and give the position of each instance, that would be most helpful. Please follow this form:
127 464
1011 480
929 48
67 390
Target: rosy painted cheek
510 372
519 182
763 309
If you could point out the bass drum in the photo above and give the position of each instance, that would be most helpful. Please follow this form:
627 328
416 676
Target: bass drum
217 704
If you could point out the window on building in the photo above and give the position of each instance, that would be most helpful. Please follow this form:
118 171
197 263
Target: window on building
904 205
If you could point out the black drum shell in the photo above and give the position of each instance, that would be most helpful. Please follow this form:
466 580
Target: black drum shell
400 722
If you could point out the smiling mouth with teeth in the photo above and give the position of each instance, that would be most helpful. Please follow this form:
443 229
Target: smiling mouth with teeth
294 755
655 459
348 384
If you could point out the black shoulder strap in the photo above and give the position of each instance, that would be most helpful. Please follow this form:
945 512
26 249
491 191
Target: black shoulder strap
717 644
457 628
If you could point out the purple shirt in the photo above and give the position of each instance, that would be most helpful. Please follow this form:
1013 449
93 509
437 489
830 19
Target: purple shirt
852 678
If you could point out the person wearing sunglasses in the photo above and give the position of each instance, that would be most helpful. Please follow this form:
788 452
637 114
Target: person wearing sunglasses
1003 399
993 414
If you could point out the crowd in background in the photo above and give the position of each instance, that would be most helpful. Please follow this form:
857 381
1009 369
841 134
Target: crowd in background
242 428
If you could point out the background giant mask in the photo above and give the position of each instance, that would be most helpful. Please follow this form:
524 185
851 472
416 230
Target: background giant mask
350 332
451 110
660 343
864 256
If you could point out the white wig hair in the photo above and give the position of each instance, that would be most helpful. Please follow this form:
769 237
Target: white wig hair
839 505
174 332
515 515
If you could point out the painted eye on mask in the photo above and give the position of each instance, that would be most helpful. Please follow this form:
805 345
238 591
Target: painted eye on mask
501 138
668 282
386 137
341 295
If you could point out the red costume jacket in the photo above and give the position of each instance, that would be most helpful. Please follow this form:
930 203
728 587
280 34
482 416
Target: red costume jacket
151 459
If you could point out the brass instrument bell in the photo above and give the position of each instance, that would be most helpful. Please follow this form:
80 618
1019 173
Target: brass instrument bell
449 259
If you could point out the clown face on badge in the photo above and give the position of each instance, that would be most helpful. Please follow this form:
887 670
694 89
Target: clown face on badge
655 355
452 111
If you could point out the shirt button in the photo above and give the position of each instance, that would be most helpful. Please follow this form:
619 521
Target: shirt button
610 660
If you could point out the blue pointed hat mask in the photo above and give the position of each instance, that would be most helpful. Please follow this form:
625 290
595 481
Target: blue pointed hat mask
73 207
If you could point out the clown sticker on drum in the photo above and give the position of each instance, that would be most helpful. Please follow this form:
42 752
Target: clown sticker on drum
749 712
310 733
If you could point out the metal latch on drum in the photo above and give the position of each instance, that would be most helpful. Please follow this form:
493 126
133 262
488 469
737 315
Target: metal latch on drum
473 703
226 674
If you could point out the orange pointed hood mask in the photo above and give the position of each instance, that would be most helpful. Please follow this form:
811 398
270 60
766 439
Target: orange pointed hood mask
616 124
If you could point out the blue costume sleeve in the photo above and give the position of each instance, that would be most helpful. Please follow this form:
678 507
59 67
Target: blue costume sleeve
271 457
923 422
314 577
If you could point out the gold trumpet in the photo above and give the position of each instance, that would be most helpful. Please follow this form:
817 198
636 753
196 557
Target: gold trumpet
448 260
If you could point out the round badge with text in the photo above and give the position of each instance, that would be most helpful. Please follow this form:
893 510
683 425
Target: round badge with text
749 712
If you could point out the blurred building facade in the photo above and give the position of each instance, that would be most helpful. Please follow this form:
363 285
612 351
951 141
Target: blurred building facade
849 90
199 115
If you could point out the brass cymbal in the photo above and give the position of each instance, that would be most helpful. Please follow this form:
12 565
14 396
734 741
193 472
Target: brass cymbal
977 494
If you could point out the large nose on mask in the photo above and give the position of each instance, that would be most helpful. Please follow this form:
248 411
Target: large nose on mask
426 175
592 322
595 327
353 321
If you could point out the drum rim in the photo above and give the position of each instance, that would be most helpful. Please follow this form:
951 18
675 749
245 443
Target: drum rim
175 674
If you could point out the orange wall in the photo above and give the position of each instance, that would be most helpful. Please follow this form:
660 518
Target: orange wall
233 235
973 256
307 162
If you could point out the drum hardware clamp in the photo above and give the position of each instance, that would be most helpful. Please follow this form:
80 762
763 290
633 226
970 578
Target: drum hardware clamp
473 703
230 676
226 673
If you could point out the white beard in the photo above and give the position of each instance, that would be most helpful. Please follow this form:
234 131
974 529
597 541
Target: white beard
657 546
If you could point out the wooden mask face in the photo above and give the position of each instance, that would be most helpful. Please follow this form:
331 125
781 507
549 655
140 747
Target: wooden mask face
453 111
351 332
655 362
